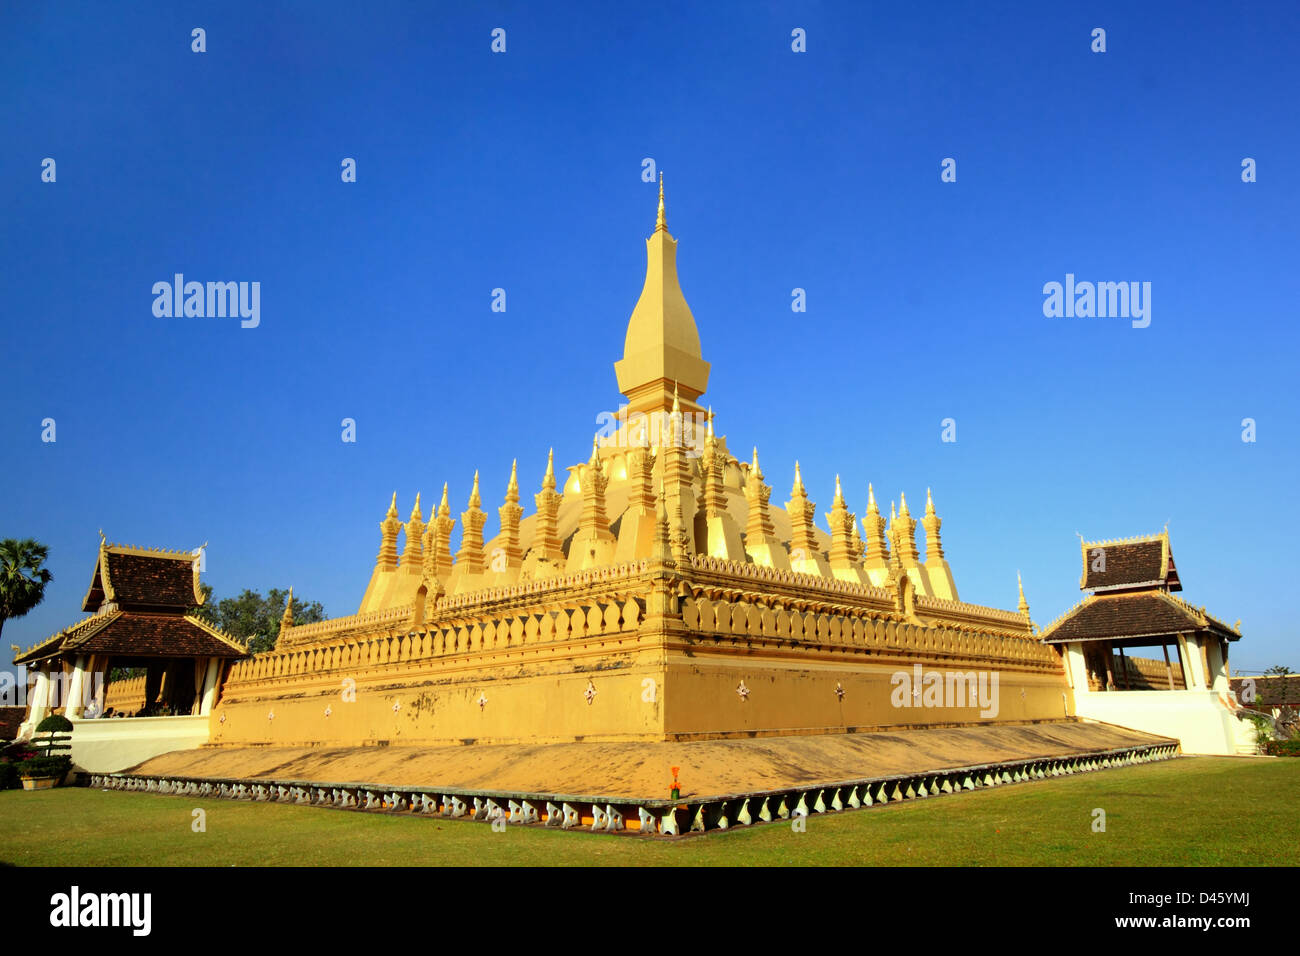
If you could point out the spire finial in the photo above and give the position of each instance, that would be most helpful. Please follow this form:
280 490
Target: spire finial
1024 605
709 430
902 507
754 469
839 492
661 223
871 498
392 507
798 480
595 449
444 506
514 473
474 499
929 503
677 407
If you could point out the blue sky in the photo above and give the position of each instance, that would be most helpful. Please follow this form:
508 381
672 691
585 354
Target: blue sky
818 170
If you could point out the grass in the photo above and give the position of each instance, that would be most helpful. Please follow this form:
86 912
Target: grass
1205 811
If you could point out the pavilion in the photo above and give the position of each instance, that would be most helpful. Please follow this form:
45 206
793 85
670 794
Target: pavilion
1131 605
141 623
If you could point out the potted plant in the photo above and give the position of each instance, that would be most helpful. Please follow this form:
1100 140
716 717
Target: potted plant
42 773
46 768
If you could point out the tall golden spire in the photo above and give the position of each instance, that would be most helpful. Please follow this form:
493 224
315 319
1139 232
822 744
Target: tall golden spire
1023 607
663 342
661 222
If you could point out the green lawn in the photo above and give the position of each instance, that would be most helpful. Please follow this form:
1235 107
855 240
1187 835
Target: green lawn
1206 811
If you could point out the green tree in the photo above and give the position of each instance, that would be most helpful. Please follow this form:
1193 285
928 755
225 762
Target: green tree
253 619
1281 670
22 579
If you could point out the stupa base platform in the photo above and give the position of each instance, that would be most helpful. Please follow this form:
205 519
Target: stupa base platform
622 786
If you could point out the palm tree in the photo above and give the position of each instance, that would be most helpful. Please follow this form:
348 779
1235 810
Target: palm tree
22 579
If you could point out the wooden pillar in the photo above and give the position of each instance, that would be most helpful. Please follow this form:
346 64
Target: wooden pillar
1168 669
1123 668
1110 671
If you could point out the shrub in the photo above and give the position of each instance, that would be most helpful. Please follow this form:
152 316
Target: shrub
45 766
53 735
1283 748
8 775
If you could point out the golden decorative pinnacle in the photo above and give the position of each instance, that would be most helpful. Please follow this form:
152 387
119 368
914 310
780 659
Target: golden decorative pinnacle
929 503
871 500
839 492
661 223
415 512
754 469
902 508
548 480
677 408
444 506
474 499
798 482
595 450
513 486
392 507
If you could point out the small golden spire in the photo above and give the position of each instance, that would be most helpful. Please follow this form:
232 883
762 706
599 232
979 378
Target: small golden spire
929 503
392 507
474 499
871 499
286 619
661 223
595 450
753 468
709 429
415 512
902 508
444 506
677 408
548 480
1024 605
514 477
839 492
798 481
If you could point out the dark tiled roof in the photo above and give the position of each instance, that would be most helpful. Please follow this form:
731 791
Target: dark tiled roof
155 635
151 581
1127 564
1271 691
1141 614
140 634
